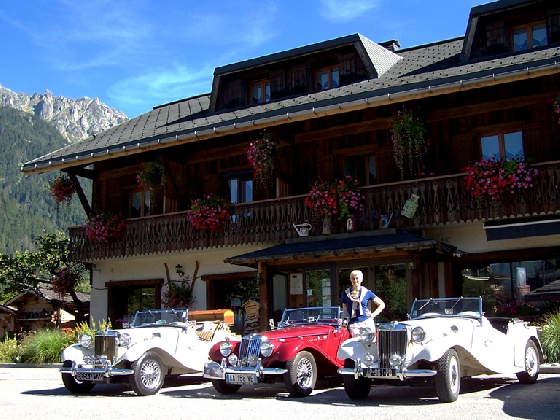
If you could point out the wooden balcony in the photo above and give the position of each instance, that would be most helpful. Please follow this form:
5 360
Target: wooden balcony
443 201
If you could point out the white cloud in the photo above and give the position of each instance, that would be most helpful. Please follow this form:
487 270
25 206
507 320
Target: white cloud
342 11
160 86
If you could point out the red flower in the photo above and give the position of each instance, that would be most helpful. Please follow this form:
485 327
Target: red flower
210 213
104 227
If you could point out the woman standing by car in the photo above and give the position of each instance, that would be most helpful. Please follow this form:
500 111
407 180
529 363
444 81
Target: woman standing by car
355 301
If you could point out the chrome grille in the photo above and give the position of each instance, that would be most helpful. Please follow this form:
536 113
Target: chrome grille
392 340
250 346
105 345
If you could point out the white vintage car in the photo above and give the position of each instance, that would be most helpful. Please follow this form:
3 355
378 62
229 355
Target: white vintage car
444 340
160 342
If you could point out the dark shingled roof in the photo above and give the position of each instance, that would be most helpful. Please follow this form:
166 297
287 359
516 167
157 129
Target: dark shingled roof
360 242
428 69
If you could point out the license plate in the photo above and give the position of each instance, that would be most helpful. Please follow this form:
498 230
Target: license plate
89 376
240 378
380 372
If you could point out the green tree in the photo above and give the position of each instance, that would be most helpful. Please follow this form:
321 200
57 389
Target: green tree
29 270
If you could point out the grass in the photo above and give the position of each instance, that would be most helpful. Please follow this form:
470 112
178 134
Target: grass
550 337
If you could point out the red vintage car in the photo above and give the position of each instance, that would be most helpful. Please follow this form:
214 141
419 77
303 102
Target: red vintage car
302 347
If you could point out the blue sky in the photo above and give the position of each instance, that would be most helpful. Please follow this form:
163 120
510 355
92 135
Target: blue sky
136 54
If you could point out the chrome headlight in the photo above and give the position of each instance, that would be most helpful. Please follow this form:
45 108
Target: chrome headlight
418 334
232 359
367 335
124 340
395 360
267 348
85 340
369 359
226 348
252 360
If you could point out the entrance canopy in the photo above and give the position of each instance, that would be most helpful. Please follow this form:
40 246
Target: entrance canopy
344 245
522 228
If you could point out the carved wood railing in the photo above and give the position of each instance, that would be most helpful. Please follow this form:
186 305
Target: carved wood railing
442 201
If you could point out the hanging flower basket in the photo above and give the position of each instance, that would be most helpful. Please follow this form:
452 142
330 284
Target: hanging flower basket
262 155
210 213
179 294
409 144
339 198
66 280
491 180
104 227
151 177
62 189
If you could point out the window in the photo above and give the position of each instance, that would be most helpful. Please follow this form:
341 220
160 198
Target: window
327 78
529 36
362 167
140 205
503 146
260 92
240 188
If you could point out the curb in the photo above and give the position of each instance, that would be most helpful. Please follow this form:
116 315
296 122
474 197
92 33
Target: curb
30 365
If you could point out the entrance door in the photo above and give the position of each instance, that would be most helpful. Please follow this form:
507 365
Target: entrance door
318 288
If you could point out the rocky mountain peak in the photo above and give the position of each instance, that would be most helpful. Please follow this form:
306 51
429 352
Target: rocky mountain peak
75 119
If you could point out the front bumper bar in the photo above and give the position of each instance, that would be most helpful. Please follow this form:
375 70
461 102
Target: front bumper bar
214 370
392 373
92 373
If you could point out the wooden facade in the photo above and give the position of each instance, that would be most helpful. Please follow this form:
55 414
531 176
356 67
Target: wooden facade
461 90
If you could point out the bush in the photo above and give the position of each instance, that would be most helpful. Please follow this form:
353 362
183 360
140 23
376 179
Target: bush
9 351
550 337
45 346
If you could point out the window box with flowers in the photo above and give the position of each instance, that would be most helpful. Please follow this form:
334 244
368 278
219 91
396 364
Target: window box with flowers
104 227
262 155
61 190
65 280
409 143
210 213
490 180
339 198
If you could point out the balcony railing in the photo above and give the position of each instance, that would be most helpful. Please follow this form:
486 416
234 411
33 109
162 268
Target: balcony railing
442 201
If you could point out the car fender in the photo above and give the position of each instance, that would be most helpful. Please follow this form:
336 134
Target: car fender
76 353
354 349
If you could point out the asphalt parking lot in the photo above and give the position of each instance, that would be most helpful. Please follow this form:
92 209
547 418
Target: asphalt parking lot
39 393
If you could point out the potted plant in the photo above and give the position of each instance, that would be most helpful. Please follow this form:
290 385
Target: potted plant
490 180
179 294
104 227
339 198
151 177
262 156
210 213
65 280
62 189
409 143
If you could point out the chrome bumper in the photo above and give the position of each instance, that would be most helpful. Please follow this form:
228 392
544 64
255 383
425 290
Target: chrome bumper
214 370
95 374
379 373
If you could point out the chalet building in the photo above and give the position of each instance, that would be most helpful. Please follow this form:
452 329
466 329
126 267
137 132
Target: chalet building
332 110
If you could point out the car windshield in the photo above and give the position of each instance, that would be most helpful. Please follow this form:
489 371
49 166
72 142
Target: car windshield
159 317
461 306
311 315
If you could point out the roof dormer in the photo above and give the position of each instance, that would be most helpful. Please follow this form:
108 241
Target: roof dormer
303 70
507 26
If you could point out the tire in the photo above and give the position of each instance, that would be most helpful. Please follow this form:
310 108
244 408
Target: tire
224 388
76 387
301 377
356 389
448 377
148 375
532 364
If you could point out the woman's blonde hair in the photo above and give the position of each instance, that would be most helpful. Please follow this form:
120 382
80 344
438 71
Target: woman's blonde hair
357 273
